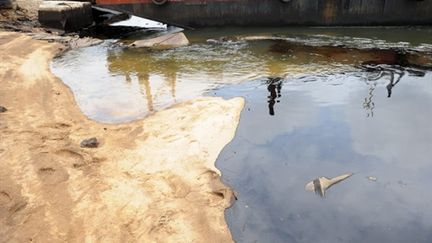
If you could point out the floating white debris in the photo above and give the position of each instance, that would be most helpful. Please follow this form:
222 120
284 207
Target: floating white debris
322 184
141 22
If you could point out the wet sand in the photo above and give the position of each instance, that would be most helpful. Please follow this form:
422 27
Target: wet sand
152 180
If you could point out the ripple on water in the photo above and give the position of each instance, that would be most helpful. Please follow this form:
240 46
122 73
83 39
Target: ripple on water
114 84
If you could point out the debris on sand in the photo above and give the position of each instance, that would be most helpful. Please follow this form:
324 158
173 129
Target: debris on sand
2 109
371 178
90 143
71 41
322 184
163 42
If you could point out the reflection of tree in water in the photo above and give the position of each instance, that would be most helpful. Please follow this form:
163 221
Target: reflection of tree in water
395 74
368 103
274 86
391 72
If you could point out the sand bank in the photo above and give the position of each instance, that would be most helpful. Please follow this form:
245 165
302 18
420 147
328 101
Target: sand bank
152 180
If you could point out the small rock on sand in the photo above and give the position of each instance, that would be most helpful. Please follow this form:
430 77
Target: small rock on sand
371 178
2 109
90 143
163 42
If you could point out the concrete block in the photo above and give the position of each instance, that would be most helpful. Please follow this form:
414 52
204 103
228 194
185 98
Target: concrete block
65 15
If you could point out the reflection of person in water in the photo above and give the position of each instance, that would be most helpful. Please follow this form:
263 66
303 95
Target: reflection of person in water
401 72
393 82
392 71
274 86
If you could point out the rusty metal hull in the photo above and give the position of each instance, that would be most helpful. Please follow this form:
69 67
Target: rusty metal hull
200 13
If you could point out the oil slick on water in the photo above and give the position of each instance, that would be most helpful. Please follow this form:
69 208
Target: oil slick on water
316 106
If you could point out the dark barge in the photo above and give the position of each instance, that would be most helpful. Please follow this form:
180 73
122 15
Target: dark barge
200 13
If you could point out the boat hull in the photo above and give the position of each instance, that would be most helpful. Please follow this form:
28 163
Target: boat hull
201 13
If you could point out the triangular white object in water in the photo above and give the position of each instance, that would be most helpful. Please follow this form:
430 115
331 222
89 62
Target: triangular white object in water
321 184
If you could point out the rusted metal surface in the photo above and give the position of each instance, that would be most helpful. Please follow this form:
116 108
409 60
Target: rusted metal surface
196 13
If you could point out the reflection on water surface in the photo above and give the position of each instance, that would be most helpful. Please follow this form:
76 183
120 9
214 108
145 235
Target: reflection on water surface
316 106
327 126
115 84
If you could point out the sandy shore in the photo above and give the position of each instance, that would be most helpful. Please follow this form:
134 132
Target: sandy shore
152 180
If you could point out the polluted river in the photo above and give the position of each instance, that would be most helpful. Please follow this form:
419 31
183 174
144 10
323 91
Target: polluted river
334 143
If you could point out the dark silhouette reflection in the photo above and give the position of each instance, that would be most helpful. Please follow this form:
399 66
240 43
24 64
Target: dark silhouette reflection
387 71
274 86
369 104
393 82
158 71
400 72
396 73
